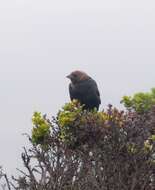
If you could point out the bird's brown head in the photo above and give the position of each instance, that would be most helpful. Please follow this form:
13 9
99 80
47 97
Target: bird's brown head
78 76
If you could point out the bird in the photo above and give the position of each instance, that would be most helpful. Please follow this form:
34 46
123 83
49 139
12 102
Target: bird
84 89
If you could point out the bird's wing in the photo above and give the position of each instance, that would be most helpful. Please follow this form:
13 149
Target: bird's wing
71 92
97 92
94 91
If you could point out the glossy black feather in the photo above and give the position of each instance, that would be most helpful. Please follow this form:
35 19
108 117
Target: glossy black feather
86 91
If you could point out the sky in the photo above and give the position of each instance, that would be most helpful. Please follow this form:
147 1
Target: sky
41 42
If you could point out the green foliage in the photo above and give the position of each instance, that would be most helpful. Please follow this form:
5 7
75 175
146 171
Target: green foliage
131 147
81 149
140 102
41 129
152 138
148 144
72 119
69 113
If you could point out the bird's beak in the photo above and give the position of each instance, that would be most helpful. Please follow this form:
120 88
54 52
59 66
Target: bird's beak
68 76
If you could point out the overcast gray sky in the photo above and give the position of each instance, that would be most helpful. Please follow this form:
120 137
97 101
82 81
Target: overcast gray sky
43 41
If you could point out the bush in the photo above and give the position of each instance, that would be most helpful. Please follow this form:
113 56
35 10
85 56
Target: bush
140 102
90 150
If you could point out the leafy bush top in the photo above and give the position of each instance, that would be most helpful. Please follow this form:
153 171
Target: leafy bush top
140 102
90 150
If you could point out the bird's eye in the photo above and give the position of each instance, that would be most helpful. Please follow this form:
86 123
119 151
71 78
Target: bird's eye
74 75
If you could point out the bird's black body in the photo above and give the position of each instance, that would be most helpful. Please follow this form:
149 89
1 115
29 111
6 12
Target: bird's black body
86 91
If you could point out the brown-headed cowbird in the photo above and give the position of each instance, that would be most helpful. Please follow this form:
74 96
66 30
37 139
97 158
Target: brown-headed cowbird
84 89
